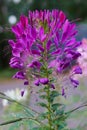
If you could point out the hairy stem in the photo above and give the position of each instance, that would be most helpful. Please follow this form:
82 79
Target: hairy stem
49 103
49 106
47 87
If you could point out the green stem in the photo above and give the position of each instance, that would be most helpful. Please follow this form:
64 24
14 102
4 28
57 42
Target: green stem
49 107
23 118
84 105
47 87
49 103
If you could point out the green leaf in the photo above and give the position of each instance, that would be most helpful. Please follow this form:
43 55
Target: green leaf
43 96
61 110
43 116
29 124
55 106
53 95
29 112
42 104
50 71
15 126
61 124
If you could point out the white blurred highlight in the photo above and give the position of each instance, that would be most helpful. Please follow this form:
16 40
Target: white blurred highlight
12 19
16 95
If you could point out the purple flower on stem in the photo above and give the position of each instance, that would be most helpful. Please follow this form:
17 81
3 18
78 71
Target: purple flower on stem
44 39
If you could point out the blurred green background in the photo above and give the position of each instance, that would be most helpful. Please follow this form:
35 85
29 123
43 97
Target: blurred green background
10 10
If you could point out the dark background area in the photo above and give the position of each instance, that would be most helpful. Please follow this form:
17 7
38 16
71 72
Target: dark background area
74 9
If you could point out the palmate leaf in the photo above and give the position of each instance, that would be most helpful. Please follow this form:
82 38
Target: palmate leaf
55 106
42 104
29 112
60 121
30 124
60 111
15 126
61 124
43 96
43 116
53 95
50 71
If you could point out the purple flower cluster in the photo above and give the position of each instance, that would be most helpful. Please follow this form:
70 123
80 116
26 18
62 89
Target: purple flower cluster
44 37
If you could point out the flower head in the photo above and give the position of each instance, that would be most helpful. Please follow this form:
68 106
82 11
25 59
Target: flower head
44 39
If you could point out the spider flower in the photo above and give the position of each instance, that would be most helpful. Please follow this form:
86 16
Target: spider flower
44 38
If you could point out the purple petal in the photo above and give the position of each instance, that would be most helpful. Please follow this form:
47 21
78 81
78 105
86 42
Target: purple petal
71 42
64 65
33 33
42 36
77 70
17 30
35 64
12 43
44 80
65 26
62 16
15 62
26 83
52 64
48 45
52 86
76 55
19 75
40 47
56 39
37 82
16 52
63 92
24 20
22 93
56 52
36 52
77 44
74 82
